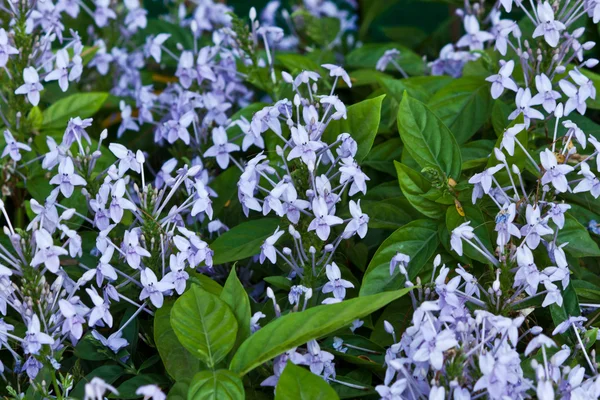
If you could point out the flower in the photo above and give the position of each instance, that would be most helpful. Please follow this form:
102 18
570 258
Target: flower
221 147
502 80
35 338
66 178
127 159
401 261
474 38
323 220
338 72
545 96
524 104
548 27
555 173
47 253
535 227
336 284
386 58
100 311
359 222
31 87
153 288
6 50
267 250
509 137
463 231
304 147
13 148
118 203
152 392
485 178
96 388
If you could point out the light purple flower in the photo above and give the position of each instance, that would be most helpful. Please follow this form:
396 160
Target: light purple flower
502 80
546 95
151 392
338 72
47 253
35 338
524 104
153 288
535 228
267 249
100 311
132 249
359 222
32 86
177 276
474 38
119 203
66 178
548 27
463 231
221 147
13 148
336 284
6 50
323 220
555 173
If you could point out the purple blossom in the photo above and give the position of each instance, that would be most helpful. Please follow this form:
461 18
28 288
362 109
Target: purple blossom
66 178
32 86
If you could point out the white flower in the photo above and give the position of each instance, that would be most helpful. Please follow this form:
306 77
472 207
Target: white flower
502 80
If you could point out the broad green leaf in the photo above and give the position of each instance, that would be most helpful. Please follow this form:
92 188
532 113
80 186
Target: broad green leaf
204 325
382 156
180 364
580 242
500 113
297 383
216 385
82 105
387 207
179 391
395 88
236 298
205 283
362 124
464 106
418 239
427 139
297 328
243 240
414 186
476 153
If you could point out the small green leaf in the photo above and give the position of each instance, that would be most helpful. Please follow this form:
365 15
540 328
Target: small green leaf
362 124
297 328
179 363
418 239
414 186
83 105
204 325
243 240
297 383
236 298
427 139
216 385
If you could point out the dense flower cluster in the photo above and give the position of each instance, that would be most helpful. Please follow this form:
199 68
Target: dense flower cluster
107 240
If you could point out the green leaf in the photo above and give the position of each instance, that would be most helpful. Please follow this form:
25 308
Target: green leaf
476 153
180 364
179 391
204 325
580 242
128 388
216 385
418 239
323 30
297 383
82 105
427 139
362 124
382 156
464 106
414 186
235 296
243 240
280 282
367 56
295 63
297 328
387 207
